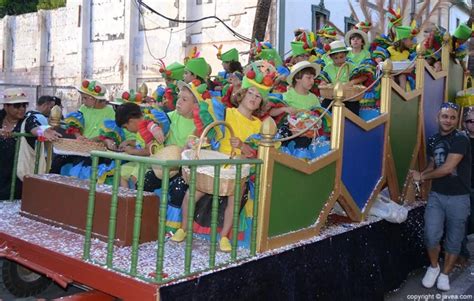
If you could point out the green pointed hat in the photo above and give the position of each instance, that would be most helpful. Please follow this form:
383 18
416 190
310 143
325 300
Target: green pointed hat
297 48
198 66
403 32
270 54
174 71
230 55
463 32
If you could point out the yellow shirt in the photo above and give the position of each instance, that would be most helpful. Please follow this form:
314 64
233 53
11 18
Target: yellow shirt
396 55
242 126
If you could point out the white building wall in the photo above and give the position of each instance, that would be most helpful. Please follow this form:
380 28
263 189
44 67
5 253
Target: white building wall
62 50
456 13
106 40
238 15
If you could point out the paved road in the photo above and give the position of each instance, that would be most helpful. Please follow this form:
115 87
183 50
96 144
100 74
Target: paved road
461 280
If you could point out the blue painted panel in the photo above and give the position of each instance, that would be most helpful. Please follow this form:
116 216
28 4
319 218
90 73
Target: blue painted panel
433 98
362 160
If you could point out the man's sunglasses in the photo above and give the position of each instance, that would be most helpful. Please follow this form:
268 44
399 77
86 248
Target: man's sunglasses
470 121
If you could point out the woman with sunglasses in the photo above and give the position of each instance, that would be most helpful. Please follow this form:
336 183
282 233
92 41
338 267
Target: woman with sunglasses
13 119
11 116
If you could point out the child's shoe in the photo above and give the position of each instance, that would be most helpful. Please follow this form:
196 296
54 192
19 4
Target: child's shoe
224 245
179 235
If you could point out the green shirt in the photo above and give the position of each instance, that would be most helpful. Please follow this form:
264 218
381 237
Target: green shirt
129 135
327 59
298 101
359 57
332 70
94 118
180 129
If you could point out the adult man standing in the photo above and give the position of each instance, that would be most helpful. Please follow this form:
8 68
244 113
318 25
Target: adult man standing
36 121
448 204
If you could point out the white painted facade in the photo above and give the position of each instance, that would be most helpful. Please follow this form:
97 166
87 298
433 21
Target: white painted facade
110 41
456 16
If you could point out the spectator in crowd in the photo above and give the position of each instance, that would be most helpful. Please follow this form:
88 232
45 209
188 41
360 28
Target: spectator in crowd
12 120
469 127
448 204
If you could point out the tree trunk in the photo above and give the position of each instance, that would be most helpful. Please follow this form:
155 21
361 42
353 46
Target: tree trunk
261 19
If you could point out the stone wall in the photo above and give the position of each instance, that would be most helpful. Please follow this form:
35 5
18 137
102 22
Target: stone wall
49 52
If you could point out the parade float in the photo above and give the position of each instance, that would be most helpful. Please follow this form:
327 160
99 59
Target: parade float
295 244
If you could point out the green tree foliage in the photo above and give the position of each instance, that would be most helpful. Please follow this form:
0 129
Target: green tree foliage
51 4
18 7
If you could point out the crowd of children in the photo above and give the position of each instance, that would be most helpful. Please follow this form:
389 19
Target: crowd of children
267 87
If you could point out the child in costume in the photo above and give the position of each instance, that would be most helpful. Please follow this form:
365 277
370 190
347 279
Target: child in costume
360 55
114 137
401 50
85 125
195 68
245 124
264 72
359 43
299 102
177 126
298 53
353 75
182 119
434 41
265 51
183 130
326 36
230 61
303 49
459 47
149 128
167 96
383 41
299 96
235 83
231 64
